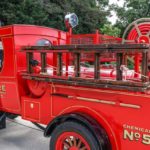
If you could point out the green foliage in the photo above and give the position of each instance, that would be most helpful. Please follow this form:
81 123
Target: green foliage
110 30
132 10
51 13
103 2
22 12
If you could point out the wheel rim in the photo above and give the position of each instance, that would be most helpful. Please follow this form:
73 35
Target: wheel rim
71 141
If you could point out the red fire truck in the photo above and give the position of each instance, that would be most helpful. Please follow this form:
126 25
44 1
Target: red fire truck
59 79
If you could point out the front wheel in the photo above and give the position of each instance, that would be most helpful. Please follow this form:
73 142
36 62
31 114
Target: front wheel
73 136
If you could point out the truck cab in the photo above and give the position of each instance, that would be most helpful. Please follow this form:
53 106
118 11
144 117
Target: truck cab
12 61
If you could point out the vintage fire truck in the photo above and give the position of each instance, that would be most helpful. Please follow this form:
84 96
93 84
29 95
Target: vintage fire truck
60 79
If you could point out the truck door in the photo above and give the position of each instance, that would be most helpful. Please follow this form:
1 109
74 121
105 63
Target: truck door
9 97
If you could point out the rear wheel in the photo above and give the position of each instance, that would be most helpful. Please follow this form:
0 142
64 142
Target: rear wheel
73 136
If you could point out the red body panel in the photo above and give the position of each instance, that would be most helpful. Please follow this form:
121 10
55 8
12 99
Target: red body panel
118 112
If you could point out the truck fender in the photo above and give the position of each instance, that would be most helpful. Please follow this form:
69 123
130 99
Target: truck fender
85 120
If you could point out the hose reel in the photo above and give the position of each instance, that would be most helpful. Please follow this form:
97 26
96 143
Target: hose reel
137 32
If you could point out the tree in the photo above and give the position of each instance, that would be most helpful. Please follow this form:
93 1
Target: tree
23 12
110 30
92 15
132 10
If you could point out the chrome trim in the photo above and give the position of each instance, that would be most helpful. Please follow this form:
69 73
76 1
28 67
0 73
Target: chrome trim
130 105
96 100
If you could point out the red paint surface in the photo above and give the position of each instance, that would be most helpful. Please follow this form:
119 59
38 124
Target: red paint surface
18 98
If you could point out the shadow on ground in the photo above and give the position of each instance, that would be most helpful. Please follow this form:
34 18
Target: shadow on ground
19 137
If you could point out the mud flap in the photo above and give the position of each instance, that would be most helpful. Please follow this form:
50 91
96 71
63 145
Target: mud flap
2 120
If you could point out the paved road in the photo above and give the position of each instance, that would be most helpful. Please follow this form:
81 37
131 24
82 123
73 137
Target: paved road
19 137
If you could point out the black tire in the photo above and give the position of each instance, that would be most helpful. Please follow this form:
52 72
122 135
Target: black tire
71 126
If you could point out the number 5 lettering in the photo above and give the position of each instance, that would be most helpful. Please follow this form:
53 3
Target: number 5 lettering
146 139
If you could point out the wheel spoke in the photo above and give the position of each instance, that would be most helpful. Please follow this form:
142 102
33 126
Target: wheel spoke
137 29
79 144
74 141
66 144
148 34
70 142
